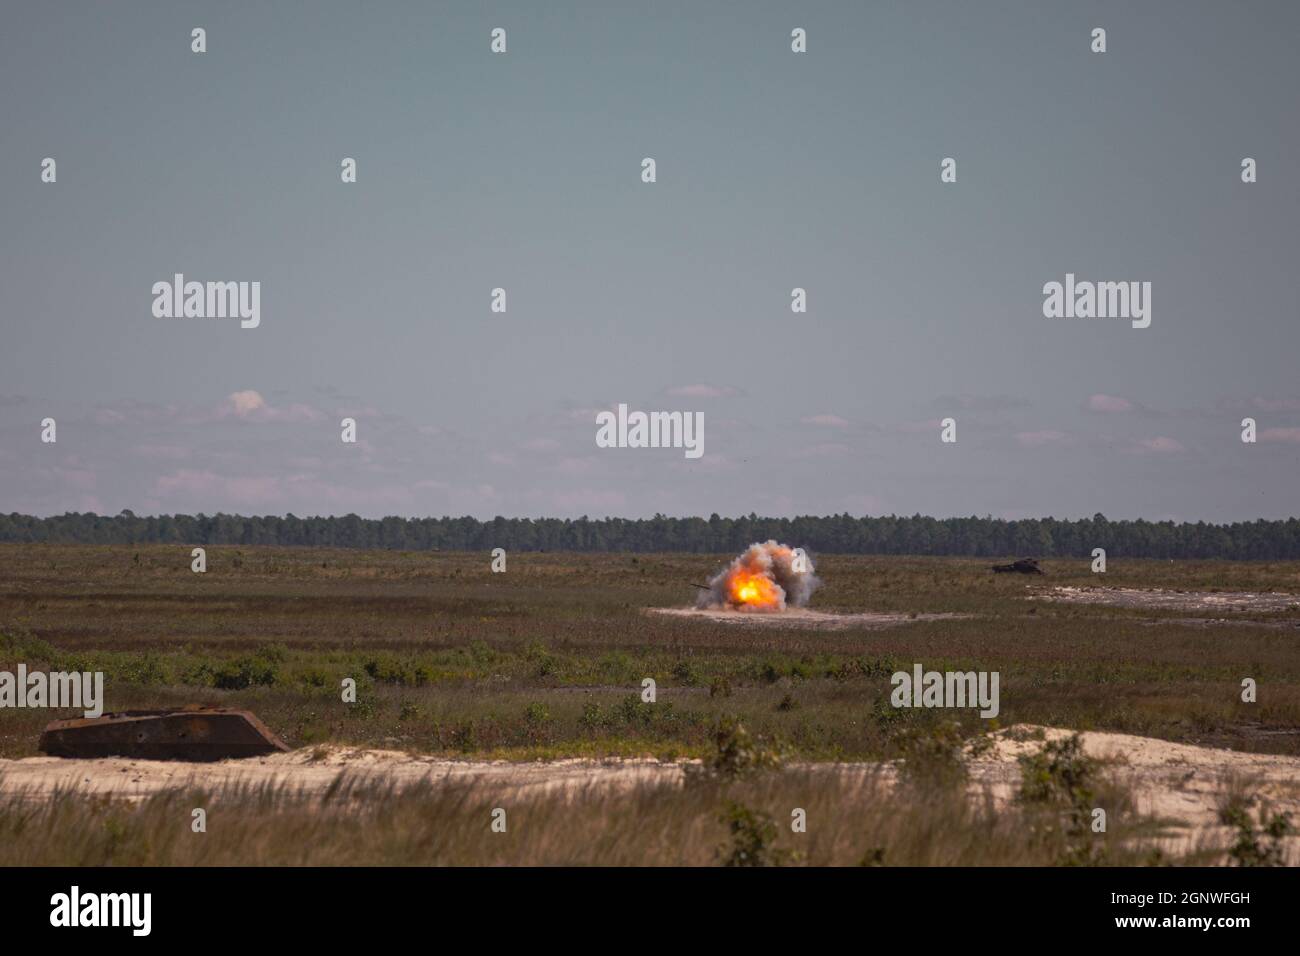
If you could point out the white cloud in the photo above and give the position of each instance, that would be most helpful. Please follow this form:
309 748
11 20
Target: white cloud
1108 403
249 405
245 403
1160 445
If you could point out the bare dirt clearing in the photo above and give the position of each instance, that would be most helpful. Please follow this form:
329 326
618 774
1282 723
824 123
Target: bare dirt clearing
804 619
1159 599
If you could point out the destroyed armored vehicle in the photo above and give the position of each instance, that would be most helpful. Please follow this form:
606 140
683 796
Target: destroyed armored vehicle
1023 566
190 733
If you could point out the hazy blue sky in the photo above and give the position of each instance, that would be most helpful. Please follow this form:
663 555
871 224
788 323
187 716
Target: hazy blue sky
775 170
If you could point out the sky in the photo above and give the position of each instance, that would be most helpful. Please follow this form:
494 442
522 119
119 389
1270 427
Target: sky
775 170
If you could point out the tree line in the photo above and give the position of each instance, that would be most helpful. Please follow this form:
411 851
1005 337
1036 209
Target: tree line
833 534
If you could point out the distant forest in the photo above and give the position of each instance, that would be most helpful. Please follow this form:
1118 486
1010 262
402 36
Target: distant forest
835 534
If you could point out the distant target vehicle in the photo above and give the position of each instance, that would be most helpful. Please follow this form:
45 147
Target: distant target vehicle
1023 566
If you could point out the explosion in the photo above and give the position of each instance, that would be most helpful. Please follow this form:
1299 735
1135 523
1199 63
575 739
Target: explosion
767 577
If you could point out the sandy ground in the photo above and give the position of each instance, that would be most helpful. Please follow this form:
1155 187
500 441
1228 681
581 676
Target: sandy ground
802 618
313 770
1157 599
1175 782
1179 784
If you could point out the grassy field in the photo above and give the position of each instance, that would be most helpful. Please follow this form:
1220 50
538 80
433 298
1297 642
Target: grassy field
547 659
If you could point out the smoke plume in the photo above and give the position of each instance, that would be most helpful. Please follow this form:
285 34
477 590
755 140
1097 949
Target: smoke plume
767 577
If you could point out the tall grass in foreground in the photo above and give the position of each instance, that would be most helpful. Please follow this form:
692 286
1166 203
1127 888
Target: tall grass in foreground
715 820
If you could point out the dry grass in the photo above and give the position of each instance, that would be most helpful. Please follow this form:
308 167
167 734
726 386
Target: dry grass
850 821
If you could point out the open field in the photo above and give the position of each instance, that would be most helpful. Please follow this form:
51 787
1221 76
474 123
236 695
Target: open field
465 676
547 658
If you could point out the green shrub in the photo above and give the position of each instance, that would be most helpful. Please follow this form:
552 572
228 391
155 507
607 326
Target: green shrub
543 661
1264 846
315 678
768 671
27 648
593 716
481 654
1059 773
633 712
752 835
409 711
736 753
273 653
464 737
1062 776
932 755
685 672
201 673
247 671
145 668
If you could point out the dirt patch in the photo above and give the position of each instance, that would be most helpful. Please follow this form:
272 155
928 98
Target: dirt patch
1158 599
803 618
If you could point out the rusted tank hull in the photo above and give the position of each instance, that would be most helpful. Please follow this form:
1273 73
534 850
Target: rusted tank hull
190 734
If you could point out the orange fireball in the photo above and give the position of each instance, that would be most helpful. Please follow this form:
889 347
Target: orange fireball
754 590
766 577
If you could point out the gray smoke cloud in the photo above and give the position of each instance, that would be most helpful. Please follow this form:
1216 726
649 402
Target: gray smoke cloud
767 577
